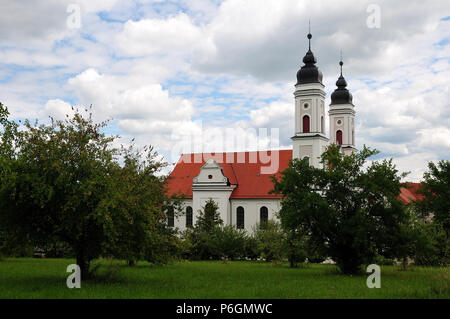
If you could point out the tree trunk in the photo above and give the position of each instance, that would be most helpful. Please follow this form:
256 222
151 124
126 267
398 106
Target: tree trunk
404 263
292 261
84 264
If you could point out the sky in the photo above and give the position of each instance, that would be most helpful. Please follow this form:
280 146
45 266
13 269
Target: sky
216 73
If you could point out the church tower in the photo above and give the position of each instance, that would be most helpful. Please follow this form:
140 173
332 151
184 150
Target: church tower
309 140
342 117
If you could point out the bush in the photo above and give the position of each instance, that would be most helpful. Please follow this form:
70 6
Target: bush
383 261
270 239
295 246
57 249
315 252
432 245
251 248
12 245
202 238
229 242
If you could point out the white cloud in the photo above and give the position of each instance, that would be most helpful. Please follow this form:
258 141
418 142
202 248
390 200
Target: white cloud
175 35
232 64
57 109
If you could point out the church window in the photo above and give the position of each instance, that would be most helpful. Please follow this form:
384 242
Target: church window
188 217
240 217
339 137
170 218
306 124
263 215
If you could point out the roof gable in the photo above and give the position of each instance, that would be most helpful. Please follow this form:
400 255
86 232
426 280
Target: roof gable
245 169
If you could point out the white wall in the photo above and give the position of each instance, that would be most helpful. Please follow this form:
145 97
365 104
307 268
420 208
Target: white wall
251 211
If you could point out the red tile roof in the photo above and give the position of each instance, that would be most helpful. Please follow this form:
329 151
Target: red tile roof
409 193
251 183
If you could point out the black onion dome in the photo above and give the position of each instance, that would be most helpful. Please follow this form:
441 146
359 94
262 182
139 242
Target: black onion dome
341 95
309 73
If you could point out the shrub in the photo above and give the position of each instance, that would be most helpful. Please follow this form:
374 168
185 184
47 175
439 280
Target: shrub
251 248
295 246
432 245
270 239
230 242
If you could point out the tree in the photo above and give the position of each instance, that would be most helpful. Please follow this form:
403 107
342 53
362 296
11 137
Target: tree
11 243
435 190
432 246
271 241
352 211
202 236
434 209
135 202
295 243
209 217
230 242
66 183
57 184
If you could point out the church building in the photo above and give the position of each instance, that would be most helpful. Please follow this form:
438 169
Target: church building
237 183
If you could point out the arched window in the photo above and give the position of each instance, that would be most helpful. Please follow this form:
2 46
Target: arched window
322 125
188 217
240 217
306 124
263 216
339 137
170 217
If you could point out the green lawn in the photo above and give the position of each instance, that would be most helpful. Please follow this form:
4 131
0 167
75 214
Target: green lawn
46 278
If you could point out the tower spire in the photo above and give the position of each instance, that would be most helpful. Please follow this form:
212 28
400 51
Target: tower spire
309 73
309 34
341 95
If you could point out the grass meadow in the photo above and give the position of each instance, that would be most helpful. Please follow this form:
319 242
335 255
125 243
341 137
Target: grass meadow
46 278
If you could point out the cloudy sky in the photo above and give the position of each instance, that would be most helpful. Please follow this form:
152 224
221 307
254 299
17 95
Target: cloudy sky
162 70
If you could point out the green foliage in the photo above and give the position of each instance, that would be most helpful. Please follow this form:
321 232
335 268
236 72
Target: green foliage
12 245
134 206
434 241
353 212
202 237
230 243
251 248
436 192
432 247
296 247
209 217
63 182
209 239
271 241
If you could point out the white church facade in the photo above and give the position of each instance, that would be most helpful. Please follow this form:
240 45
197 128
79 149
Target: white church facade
237 182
